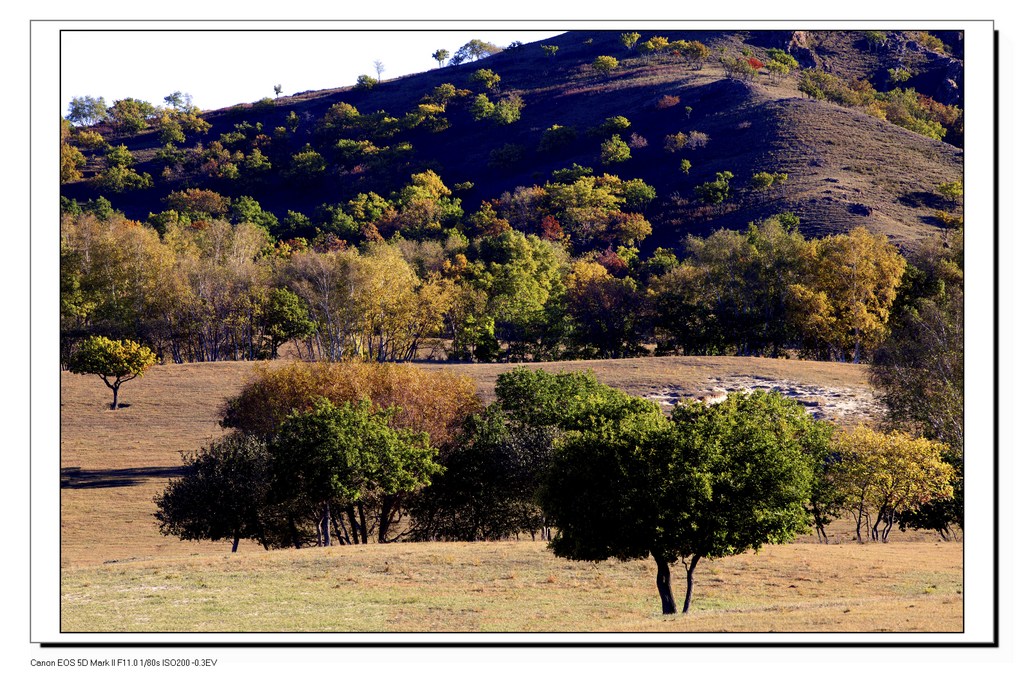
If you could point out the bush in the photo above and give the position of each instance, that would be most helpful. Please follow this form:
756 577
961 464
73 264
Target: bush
675 142
604 65
666 101
556 137
506 156
365 82
716 191
614 151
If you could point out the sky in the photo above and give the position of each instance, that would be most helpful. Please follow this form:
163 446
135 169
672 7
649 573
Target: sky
223 68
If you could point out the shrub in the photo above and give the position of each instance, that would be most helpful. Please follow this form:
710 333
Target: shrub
637 141
697 140
365 82
666 101
675 142
685 166
506 156
604 65
614 151
715 191
556 137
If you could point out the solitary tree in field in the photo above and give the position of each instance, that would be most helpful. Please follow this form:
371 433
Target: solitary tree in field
440 56
114 361
715 481
378 66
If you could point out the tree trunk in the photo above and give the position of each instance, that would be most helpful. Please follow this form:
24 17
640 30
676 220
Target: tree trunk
664 582
689 583
353 523
325 526
113 406
234 545
362 523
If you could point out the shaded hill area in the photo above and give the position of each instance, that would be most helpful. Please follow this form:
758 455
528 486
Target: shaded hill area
844 166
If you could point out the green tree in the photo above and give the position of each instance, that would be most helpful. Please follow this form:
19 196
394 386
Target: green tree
223 493
347 453
549 50
604 65
85 111
113 361
486 78
130 116
440 56
715 481
487 491
614 151
365 82
629 39
474 50
715 191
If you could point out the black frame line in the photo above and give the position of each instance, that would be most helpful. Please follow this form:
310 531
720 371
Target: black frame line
543 644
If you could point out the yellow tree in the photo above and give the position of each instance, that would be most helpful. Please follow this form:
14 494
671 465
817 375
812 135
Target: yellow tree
845 305
888 474
115 362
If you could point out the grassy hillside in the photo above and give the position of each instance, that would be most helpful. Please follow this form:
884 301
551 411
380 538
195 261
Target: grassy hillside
845 168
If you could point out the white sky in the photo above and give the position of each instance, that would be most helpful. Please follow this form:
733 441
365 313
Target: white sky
222 68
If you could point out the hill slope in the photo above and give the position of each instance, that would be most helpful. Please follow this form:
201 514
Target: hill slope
845 168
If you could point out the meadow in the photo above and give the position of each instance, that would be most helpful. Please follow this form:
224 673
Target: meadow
120 574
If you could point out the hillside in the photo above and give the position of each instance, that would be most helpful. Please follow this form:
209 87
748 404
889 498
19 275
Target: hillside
845 167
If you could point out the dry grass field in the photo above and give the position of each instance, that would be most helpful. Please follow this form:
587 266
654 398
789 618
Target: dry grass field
518 586
120 573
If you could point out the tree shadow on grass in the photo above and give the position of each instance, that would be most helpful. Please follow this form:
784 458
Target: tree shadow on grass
77 478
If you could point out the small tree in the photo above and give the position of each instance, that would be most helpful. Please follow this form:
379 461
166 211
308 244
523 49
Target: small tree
85 111
715 191
685 166
614 151
224 493
440 56
629 39
604 65
716 481
278 89
378 66
115 362
549 50
486 78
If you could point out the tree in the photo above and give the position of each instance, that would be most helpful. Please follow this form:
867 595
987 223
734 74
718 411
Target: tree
486 78
278 89
716 480
223 493
918 371
475 49
604 65
440 56
115 362
129 116
347 454
614 151
844 304
715 191
890 474
549 50
488 488
285 317
378 66
629 39
85 111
